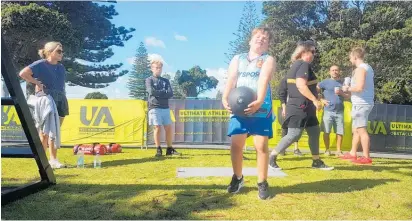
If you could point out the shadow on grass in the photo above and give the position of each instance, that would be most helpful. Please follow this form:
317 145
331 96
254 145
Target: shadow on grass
79 201
372 167
154 201
334 186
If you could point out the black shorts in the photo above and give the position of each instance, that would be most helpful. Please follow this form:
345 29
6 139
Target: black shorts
61 102
62 107
300 118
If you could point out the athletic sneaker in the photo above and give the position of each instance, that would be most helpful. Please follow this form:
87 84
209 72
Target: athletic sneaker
55 164
235 185
327 152
362 160
159 152
272 163
347 156
298 153
319 164
171 151
263 189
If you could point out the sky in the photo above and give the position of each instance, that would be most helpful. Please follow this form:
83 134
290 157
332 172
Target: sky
183 34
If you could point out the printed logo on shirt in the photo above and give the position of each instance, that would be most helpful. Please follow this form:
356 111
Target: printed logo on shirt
259 63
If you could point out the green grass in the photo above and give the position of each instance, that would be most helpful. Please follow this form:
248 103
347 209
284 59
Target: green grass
135 185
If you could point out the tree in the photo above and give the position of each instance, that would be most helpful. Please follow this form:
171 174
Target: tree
382 28
248 22
219 95
177 90
194 81
84 29
96 95
141 71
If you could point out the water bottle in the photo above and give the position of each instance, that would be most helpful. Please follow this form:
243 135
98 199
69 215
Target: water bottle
80 159
97 161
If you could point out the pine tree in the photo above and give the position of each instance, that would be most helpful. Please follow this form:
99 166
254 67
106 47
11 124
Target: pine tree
141 71
248 22
219 95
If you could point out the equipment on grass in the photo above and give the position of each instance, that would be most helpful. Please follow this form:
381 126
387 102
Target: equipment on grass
90 149
114 148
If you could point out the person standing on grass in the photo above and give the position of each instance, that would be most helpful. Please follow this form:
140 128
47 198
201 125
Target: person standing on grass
160 91
49 76
283 96
301 106
332 100
362 91
254 70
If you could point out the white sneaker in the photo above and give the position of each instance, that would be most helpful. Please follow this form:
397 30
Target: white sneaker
55 164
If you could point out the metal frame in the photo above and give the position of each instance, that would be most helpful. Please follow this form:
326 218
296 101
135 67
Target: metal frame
17 99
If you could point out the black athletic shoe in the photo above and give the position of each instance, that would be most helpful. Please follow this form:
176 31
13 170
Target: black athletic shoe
263 189
235 185
272 163
319 164
171 151
159 152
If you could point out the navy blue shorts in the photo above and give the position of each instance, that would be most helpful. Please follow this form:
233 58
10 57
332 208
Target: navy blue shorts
250 126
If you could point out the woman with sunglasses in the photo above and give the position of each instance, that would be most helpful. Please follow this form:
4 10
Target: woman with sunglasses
301 106
49 76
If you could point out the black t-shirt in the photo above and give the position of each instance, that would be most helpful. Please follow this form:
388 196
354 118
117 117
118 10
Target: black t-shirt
301 69
299 109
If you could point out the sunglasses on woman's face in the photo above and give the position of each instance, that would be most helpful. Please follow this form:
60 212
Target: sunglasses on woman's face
59 51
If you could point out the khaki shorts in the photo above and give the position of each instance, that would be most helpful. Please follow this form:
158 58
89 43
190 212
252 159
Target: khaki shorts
360 115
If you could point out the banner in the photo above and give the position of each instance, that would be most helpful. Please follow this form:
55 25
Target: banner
201 122
104 121
206 122
11 130
390 128
197 122
89 121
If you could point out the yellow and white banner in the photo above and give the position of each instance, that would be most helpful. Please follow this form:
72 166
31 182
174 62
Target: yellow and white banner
105 121
201 122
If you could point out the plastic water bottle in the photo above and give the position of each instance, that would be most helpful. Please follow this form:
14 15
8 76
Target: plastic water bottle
80 159
97 161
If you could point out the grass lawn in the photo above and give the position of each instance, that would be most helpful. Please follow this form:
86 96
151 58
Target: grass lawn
135 185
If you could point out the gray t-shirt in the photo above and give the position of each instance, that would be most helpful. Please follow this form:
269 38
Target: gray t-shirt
335 101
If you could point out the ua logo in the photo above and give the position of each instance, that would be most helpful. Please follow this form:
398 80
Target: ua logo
9 116
99 115
376 127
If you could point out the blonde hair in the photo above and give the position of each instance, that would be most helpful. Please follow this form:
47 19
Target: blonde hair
262 30
156 61
358 52
49 47
302 48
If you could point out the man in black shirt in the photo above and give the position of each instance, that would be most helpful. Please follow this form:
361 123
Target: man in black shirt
160 91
